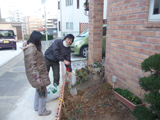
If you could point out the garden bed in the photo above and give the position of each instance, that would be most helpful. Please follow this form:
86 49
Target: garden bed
93 104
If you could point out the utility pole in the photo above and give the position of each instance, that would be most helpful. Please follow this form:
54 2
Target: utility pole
0 14
45 15
45 21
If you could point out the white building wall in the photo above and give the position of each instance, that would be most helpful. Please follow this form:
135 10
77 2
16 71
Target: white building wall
72 14
58 20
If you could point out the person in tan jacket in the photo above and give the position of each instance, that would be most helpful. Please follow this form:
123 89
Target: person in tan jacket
36 71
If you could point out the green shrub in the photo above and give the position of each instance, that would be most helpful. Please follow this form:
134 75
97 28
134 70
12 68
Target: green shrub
96 65
142 113
128 95
151 84
151 63
82 75
50 37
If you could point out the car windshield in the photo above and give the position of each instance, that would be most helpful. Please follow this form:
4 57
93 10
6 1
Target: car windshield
83 34
6 33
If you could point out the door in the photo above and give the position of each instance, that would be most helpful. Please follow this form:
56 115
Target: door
19 33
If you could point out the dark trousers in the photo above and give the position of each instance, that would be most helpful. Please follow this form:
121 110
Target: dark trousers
55 68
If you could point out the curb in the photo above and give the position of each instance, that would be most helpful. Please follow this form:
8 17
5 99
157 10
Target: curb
59 106
7 61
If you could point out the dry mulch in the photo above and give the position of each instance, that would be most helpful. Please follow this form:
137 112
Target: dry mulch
94 104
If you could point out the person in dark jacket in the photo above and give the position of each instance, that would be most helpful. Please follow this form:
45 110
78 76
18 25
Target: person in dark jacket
59 51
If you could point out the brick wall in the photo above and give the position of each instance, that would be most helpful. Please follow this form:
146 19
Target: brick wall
95 30
130 39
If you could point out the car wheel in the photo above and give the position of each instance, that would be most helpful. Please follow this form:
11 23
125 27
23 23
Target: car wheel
84 51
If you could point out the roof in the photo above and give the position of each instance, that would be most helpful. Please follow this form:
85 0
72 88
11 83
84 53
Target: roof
49 30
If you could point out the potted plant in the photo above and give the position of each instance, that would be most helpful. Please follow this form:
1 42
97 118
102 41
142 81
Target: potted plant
96 66
86 6
127 98
151 85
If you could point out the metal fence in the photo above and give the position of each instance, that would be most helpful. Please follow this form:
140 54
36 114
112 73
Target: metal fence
83 27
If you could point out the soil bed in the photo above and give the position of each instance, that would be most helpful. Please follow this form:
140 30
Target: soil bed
90 104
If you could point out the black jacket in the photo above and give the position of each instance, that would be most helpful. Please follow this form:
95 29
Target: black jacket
58 52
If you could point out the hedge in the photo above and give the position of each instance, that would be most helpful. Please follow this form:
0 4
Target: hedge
50 37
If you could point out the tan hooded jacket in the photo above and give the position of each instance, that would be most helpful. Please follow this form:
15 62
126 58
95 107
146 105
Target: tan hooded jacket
35 65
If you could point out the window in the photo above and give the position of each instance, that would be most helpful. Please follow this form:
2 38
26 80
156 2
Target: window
154 10
69 25
58 4
49 25
49 22
54 31
6 33
84 33
69 2
77 4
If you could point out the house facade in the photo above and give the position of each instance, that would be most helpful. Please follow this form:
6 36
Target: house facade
51 26
33 23
70 14
15 26
133 34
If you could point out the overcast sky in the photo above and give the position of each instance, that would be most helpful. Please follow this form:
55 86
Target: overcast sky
28 6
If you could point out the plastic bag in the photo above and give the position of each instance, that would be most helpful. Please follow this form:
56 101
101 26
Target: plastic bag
52 93
73 78
70 81
70 77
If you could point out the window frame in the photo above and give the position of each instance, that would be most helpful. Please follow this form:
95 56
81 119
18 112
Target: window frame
58 5
59 25
77 4
152 17
69 2
69 25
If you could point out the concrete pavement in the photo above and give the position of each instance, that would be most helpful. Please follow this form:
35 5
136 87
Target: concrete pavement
23 107
8 54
